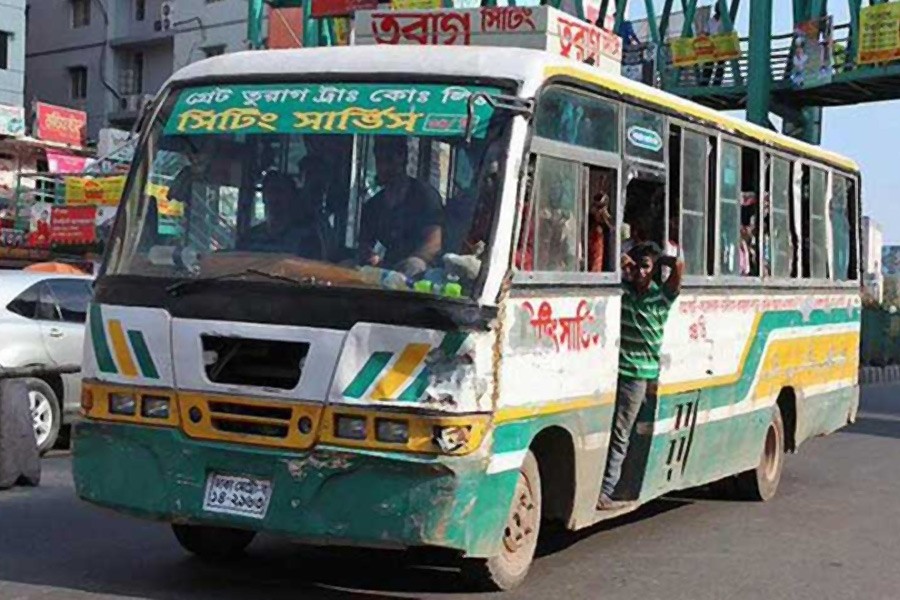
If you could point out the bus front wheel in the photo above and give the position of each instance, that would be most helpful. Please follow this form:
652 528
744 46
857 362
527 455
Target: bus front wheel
520 536
761 483
213 543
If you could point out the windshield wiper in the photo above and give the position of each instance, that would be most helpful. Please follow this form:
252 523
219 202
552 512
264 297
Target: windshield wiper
186 285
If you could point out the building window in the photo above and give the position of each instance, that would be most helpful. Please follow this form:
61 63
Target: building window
78 83
140 10
81 13
5 36
214 50
131 79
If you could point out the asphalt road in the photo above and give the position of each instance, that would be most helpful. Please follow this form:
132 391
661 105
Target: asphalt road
833 531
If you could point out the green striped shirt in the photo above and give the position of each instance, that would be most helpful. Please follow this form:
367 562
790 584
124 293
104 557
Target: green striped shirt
643 322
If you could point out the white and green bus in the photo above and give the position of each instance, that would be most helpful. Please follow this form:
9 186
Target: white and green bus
460 393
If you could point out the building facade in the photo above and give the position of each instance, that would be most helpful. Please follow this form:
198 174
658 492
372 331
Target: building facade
12 52
207 28
108 57
872 260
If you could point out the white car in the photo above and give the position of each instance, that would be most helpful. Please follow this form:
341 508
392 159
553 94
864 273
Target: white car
42 318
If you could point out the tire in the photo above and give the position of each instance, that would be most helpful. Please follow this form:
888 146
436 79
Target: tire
213 543
46 415
761 483
508 569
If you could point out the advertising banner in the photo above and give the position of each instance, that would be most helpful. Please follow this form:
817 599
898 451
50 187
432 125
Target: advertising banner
59 124
106 191
704 49
879 33
73 224
65 163
812 63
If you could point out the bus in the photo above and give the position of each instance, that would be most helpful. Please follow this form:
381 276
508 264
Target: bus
388 315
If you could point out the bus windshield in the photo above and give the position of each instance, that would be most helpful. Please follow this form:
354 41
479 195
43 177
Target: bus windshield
338 184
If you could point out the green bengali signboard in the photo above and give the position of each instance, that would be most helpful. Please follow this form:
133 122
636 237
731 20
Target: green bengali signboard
329 108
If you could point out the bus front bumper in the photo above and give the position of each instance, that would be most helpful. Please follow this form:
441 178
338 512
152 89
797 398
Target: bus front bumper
324 496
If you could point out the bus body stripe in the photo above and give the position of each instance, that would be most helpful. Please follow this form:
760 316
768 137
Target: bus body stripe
98 339
120 346
406 364
144 358
367 375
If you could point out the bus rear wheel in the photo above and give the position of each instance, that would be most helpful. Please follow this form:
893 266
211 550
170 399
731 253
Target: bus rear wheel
520 536
761 483
213 543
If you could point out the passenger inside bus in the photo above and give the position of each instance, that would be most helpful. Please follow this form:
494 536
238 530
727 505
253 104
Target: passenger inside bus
401 226
291 223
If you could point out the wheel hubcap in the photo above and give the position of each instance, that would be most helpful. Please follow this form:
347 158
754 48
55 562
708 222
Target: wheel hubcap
521 526
41 416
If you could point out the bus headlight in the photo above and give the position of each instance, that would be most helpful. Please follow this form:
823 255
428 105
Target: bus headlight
391 431
350 428
122 404
155 407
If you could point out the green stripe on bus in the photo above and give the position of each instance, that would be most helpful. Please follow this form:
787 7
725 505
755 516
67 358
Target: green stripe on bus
453 341
139 345
415 390
98 338
367 375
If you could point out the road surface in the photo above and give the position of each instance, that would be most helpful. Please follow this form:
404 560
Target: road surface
833 531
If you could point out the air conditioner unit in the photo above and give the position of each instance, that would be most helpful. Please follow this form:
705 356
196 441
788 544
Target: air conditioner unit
166 14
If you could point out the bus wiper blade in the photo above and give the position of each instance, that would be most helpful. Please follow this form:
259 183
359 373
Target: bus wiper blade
180 287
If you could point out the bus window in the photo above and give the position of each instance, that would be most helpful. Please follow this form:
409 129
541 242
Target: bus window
781 239
814 202
732 249
644 135
749 231
573 118
600 220
556 201
694 189
842 212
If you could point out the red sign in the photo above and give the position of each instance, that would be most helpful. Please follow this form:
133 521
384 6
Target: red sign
340 8
73 224
65 163
285 28
58 124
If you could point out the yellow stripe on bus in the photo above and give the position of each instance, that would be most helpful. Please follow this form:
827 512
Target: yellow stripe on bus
120 347
405 366
518 413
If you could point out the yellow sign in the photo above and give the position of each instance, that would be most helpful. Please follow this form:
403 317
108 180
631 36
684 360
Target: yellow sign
879 33
705 49
342 31
102 191
165 206
416 4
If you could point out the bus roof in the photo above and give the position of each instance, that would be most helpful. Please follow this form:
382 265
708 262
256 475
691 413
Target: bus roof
529 67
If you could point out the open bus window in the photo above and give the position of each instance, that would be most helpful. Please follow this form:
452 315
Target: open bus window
814 225
780 243
288 179
842 211
694 204
739 211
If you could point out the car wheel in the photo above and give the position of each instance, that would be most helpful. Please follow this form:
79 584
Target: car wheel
45 413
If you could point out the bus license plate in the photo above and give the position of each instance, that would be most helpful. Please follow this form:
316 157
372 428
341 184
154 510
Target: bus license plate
234 495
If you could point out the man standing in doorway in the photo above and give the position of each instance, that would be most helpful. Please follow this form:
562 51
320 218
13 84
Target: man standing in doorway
645 310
